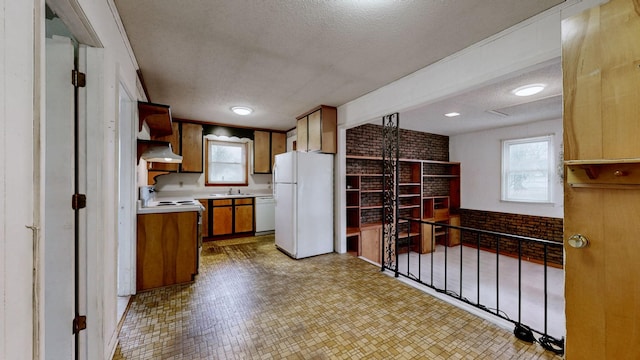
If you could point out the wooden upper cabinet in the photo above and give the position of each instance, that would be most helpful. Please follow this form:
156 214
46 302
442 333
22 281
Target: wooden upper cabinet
301 134
314 131
261 152
174 139
317 130
191 137
266 145
278 145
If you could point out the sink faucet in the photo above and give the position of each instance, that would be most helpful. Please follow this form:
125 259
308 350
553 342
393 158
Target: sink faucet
230 191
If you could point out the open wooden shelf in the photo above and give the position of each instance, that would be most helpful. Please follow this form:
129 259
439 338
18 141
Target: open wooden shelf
604 173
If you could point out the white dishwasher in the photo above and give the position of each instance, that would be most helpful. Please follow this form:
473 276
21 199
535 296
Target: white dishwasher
265 215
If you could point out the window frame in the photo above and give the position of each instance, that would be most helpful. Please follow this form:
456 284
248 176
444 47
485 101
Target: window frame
245 150
504 176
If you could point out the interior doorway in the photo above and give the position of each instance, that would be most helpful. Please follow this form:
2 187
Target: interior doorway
126 200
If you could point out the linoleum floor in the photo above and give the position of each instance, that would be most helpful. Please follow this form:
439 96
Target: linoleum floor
250 301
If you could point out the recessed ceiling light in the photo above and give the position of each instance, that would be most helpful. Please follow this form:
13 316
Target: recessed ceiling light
528 90
242 110
452 114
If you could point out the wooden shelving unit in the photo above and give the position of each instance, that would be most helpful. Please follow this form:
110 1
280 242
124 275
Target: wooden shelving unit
419 180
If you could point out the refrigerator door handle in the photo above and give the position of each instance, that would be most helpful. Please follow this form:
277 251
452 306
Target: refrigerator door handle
273 180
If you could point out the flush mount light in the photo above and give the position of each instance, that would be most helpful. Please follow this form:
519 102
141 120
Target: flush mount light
452 114
528 90
242 110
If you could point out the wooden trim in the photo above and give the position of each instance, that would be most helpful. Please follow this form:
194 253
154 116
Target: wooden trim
206 167
213 123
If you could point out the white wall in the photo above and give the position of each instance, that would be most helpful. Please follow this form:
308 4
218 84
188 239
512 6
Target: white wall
480 156
21 45
527 44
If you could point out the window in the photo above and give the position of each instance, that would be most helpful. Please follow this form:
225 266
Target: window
226 163
526 169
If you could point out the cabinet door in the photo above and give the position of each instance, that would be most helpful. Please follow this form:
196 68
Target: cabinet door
314 141
261 152
222 220
454 234
174 139
301 134
278 146
244 218
427 244
166 249
191 148
370 240
205 218
329 130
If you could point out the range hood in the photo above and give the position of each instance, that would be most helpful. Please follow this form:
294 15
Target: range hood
157 151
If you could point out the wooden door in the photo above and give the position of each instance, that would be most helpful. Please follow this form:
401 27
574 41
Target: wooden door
244 218
329 130
191 147
278 145
302 135
222 220
601 74
59 259
314 128
261 152
370 243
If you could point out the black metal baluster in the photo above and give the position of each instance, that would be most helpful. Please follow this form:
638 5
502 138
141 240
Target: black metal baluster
545 290
519 281
478 264
460 266
497 275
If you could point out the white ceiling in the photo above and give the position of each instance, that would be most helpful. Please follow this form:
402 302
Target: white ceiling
284 57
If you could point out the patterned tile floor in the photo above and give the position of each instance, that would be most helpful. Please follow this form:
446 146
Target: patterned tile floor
250 301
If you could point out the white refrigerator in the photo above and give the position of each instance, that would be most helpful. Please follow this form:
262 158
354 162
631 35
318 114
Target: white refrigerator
303 193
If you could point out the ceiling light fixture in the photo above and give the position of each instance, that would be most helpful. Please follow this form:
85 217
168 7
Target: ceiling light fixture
242 110
528 90
452 114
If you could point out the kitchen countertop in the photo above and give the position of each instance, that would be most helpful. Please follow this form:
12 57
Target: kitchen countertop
166 209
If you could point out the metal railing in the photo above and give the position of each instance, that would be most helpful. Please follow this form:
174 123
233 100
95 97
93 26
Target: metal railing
477 272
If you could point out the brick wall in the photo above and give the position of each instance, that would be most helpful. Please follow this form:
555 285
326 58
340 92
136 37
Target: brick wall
524 225
366 140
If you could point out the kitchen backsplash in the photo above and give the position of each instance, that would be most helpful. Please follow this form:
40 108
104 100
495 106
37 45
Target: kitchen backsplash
195 183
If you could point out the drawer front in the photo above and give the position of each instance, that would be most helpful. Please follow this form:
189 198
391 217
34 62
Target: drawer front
223 202
244 201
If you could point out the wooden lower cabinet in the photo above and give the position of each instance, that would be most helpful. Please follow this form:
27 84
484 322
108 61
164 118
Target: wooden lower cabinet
243 221
427 244
222 217
370 242
166 249
454 234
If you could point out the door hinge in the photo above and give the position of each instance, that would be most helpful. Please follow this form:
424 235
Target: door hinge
78 79
78 201
79 323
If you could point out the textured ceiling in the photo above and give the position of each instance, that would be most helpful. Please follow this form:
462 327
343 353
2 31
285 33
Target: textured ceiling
285 57
493 105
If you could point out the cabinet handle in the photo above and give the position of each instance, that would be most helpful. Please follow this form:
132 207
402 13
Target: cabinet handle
620 173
